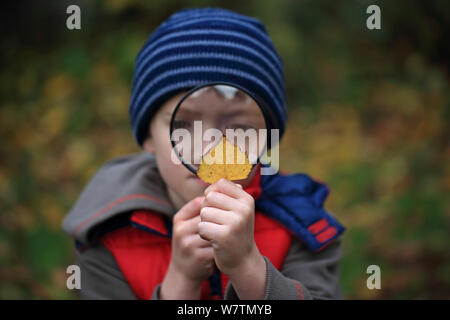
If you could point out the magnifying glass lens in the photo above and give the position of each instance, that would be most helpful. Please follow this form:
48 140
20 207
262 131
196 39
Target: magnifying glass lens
206 115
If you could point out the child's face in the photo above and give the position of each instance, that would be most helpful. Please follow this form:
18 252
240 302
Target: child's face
182 185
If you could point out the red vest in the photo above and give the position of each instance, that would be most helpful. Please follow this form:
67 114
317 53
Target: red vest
143 249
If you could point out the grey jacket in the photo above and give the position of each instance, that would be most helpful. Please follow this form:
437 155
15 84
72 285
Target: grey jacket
133 182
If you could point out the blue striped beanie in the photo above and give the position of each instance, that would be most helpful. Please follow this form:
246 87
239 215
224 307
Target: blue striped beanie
198 46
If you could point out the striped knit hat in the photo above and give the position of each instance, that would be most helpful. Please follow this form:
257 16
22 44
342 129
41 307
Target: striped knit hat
198 46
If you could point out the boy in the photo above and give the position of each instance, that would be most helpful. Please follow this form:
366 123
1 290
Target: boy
146 227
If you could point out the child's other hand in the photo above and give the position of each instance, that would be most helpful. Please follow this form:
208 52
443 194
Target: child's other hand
227 220
192 257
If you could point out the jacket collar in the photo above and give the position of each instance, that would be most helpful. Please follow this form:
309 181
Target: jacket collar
120 186
132 182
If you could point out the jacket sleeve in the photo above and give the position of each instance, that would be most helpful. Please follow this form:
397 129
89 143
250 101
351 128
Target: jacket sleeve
101 277
304 275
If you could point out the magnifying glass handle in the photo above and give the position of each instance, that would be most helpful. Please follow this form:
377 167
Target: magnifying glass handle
215 282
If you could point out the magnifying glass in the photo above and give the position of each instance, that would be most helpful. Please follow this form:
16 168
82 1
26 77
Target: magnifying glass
219 112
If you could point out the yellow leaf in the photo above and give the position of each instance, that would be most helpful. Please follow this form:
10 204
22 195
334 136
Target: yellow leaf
225 160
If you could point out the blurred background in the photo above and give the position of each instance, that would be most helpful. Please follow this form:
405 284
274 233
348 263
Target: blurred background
369 114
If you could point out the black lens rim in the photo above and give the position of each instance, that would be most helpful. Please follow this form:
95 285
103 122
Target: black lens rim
269 118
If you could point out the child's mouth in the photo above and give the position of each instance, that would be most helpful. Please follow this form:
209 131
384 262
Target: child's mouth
200 181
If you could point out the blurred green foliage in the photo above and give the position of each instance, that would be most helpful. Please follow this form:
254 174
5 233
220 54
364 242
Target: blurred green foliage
368 113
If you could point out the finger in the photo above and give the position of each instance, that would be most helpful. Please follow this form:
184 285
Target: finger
220 201
207 253
227 187
209 231
214 215
196 241
191 226
190 209
201 243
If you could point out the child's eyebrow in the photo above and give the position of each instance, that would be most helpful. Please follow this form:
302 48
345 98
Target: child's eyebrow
236 113
255 114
